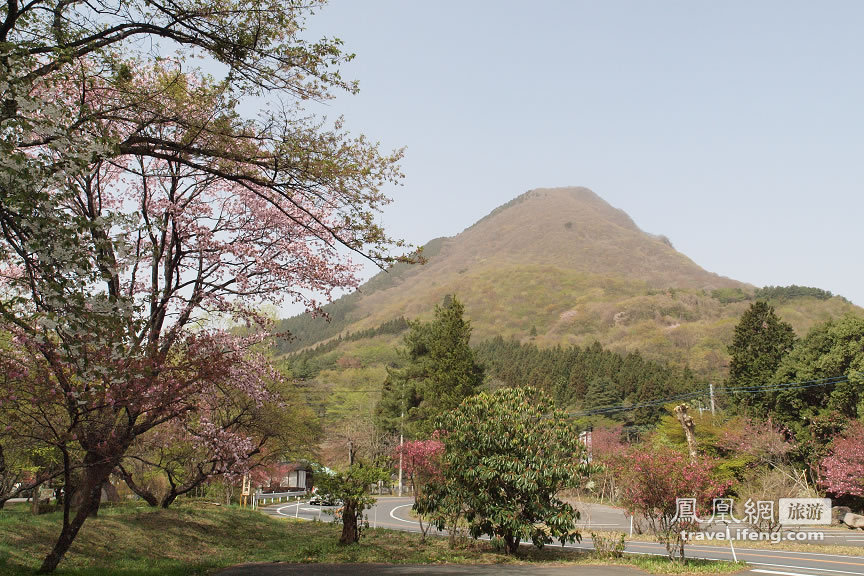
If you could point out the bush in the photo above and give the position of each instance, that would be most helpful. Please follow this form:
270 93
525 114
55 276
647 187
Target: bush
611 546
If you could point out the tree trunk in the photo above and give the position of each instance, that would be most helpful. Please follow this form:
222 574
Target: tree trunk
94 509
144 494
350 533
423 529
229 492
417 495
168 499
689 429
453 529
91 489
34 500
512 543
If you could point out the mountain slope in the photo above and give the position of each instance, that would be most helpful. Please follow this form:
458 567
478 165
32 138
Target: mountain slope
564 264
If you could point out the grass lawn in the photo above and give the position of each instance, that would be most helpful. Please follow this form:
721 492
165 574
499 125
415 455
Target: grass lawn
198 538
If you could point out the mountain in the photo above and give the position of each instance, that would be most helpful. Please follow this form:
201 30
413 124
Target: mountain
562 266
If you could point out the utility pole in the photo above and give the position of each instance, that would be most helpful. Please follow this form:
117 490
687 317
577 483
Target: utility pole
711 393
350 453
401 441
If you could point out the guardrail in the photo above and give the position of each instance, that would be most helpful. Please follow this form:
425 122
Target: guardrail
273 497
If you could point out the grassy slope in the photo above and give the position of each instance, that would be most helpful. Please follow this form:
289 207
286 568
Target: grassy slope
130 540
687 327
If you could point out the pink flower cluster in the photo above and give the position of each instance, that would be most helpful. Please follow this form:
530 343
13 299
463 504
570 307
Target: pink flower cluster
843 469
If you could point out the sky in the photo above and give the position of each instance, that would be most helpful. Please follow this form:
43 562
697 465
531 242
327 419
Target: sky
734 128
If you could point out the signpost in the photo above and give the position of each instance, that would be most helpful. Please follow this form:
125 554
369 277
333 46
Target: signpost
246 491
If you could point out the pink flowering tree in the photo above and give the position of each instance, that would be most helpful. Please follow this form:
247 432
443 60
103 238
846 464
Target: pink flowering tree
226 436
652 479
608 452
842 469
763 441
137 204
421 463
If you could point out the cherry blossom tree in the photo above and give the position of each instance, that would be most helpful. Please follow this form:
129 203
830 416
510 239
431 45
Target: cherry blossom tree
608 453
843 468
651 480
183 454
137 203
421 463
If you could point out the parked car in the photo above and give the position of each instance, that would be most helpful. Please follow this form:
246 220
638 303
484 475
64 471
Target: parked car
324 500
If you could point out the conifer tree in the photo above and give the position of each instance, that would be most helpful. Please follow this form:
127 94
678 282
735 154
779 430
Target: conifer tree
440 371
761 341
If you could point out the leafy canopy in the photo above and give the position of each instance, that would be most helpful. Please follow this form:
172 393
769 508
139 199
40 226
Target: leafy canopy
507 456
136 202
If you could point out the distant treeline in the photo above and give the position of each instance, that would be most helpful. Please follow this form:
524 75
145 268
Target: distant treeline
303 364
306 330
772 293
586 378
790 292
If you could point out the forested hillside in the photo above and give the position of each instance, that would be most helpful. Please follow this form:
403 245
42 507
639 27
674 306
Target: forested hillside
590 380
562 267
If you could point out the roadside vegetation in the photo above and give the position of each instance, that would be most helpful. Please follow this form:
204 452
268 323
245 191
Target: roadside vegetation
195 538
786 423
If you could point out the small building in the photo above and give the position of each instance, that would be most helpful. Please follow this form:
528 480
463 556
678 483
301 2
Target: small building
299 476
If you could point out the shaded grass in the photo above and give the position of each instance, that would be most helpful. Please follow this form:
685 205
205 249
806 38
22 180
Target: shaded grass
197 538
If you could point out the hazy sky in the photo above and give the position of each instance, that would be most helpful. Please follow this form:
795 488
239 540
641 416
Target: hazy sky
734 128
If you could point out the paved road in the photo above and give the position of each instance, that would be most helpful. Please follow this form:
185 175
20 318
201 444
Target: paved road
426 569
394 513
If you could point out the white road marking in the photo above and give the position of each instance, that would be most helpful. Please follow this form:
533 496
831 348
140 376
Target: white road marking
807 568
392 515
778 552
783 573
293 514
589 524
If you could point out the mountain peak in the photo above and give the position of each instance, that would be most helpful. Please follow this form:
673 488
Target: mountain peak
575 229
577 201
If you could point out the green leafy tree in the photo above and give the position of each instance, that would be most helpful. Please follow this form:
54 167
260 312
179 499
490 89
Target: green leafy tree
351 486
453 374
834 353
507 456
760 342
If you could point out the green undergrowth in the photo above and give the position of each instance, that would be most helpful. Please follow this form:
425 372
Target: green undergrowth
200 538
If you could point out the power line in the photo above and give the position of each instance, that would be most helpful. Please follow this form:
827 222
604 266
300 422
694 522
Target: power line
701 393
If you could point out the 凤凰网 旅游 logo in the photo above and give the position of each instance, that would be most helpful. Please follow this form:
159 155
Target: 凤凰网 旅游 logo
785 519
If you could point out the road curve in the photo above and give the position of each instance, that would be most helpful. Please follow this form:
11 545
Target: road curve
394 513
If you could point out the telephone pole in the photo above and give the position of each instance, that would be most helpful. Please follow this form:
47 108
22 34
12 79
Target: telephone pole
401 441
711 394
